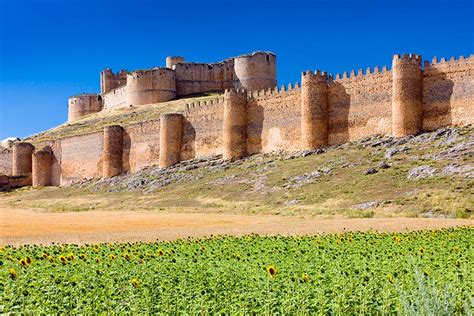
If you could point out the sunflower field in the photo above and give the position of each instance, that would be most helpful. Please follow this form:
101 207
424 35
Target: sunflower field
348 273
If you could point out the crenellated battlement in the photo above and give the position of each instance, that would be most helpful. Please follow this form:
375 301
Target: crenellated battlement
369 73
110 71
110 80
317 75
200 105
153 71
411 58
231 92
275 92
451 63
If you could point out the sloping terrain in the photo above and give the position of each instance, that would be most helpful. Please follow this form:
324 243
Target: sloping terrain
122 116
429 175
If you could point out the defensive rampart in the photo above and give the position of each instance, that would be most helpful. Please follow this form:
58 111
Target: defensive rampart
324 110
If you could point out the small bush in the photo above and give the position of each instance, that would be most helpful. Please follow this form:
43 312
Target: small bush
463 213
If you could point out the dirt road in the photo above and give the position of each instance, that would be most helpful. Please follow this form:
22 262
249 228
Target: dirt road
23 226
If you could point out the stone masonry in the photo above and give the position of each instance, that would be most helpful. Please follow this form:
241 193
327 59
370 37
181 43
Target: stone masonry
251 115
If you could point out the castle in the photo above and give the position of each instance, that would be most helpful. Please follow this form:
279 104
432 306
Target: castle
251 115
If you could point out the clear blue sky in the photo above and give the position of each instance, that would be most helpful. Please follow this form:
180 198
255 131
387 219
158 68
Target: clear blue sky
51 49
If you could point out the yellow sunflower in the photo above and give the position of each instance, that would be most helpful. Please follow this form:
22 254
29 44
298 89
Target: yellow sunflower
24 263
390 279
272 271
135 283
305 277
63 259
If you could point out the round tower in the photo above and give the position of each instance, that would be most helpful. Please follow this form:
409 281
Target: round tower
314 110
150 86
112 151
171 131
41 167
235 124
82 105
407 106
173 60
21 158
255 71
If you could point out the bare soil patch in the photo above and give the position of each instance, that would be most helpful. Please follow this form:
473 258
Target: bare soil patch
24 226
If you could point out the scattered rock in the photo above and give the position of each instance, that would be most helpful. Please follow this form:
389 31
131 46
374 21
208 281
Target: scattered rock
370 171
383 165
466 171
306 153
291 202
224 180
457 151
389 153
421 172
326 170
366 205
306 178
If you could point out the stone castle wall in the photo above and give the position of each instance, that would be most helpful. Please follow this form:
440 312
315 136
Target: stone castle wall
324 110
110 81
273 120
192 78
202 129
6 164
81 158
115 98
141 146
82 105
359 105
150 86
448 90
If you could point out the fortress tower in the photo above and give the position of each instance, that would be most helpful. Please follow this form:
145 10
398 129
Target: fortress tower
150 86
171 131
41 167
112 151
21 155
235 124
83 104
173 60
255 71
407 103
314 110
110 81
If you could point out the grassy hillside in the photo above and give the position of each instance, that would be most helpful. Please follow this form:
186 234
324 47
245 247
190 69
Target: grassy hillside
430 175
122 116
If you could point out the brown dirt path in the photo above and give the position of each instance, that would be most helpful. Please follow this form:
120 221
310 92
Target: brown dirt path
23 226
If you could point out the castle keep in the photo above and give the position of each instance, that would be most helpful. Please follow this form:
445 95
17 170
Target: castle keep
249 115
179 79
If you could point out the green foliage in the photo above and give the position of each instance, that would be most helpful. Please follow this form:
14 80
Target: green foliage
350 273
462 213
